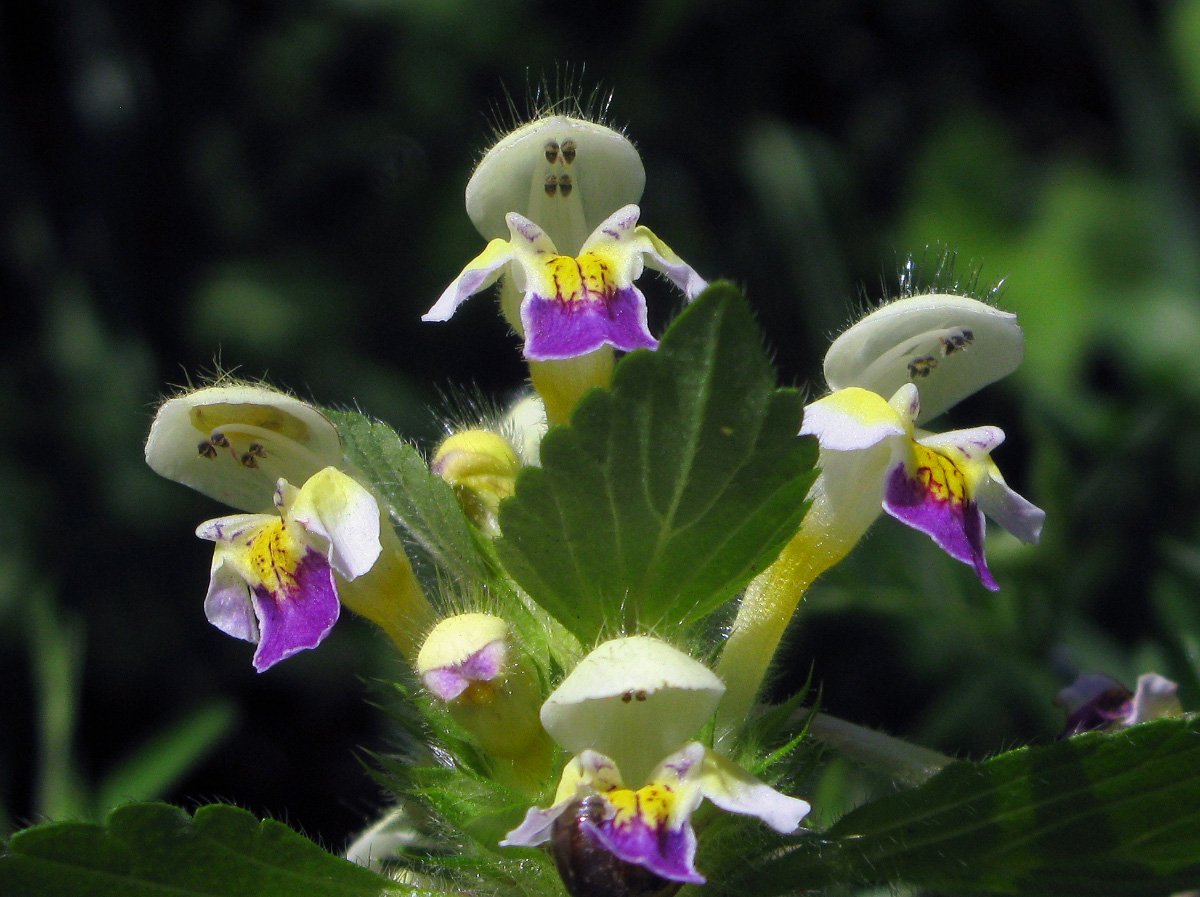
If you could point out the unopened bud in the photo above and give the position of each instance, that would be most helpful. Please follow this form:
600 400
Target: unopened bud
467 662
482 467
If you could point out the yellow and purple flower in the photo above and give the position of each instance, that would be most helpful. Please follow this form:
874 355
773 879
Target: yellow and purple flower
873 457
273 576
1096 702
617 710
572 306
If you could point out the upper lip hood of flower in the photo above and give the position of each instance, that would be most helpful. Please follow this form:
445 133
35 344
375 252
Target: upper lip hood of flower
567 174
951 346
634 699
233 443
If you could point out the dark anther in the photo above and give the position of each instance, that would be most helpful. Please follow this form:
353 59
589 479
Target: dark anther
921 367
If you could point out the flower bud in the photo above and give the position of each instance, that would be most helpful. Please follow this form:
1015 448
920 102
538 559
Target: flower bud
525 424
467 663
482 468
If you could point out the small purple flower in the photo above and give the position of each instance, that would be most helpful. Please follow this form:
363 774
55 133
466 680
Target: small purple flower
651 826
942 484
1096 702
273 577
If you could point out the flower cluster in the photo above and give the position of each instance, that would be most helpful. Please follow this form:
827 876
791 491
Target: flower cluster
617 742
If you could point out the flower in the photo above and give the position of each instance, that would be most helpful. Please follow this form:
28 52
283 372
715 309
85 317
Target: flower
233 443
872 457
650 826
951 345
632 700
574 305
1099 702
272 579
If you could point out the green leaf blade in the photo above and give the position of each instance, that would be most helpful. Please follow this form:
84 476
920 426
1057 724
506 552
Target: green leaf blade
1096 814
670 491
154 850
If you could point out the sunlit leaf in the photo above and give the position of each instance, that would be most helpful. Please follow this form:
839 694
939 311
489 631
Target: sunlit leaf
667 493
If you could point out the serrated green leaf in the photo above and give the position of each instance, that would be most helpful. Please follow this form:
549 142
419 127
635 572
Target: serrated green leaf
670 491
1097 814
155 850
422 501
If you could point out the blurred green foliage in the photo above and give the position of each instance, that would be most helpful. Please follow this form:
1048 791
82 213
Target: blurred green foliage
277 188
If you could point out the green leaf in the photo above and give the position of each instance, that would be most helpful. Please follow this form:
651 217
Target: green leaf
670 491
422 501
1097 814
154 850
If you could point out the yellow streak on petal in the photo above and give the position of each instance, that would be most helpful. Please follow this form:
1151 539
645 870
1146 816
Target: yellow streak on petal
563 279
209 417
652 804
274 552
941 478
862 406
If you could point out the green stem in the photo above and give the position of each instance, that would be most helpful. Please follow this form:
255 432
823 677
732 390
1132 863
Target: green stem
390 596
840 513
562 383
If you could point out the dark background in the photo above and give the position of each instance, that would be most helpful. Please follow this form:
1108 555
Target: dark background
277 189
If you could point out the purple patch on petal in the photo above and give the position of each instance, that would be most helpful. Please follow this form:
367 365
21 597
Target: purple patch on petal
228 607
446 682
300 616
483 666
665 852
555 329
956 527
